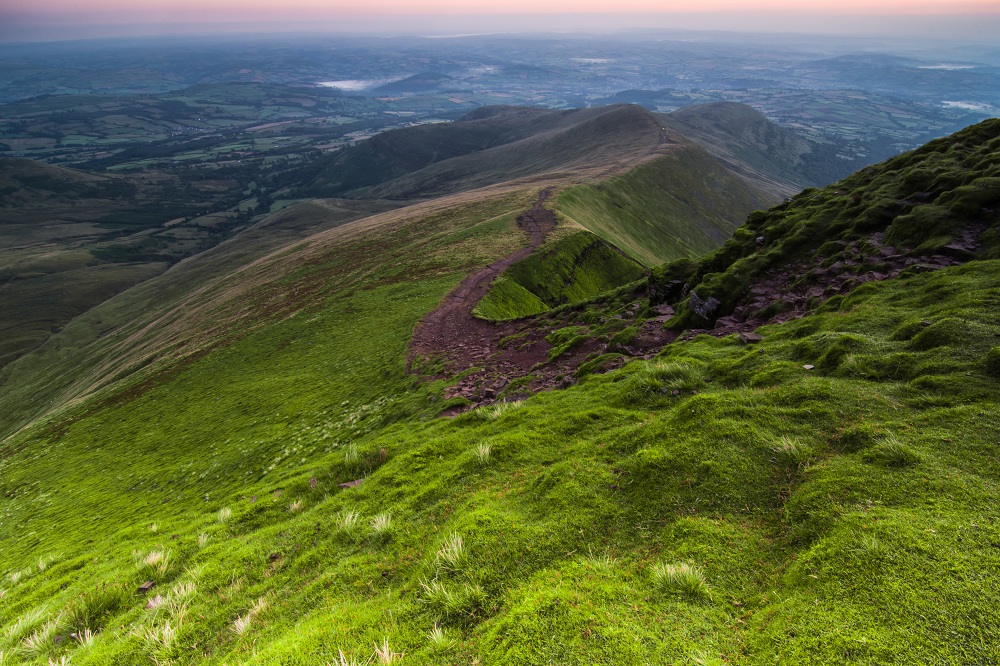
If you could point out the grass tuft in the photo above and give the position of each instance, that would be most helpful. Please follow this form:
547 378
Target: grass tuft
658 379
35 645
451 555
790 452
460 602
241 625
385 655
482 453
382 524
348 522
343 661
439 637
891 452
154 560
352 456
224 515
435 593
682 578
160 640
604 563
85 637
24 624
498 410
702 659
40 641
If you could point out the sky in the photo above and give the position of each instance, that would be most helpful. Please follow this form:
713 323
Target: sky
195 8
31 20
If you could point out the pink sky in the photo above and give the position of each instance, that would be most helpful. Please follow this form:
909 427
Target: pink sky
962 20
297 9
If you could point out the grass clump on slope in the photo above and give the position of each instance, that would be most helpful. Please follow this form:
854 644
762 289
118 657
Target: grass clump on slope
570 269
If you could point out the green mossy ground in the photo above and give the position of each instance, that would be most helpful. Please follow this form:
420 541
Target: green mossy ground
839 515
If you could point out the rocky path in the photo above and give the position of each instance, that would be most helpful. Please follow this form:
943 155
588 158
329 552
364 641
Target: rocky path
450 333
510 360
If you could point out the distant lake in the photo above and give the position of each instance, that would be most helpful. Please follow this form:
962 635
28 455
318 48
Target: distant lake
968 106
354 85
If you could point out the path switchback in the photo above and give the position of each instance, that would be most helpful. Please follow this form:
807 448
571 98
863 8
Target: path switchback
450 331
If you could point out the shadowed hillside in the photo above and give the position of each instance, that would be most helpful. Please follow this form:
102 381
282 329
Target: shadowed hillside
932 206
770 156
679 205
71 239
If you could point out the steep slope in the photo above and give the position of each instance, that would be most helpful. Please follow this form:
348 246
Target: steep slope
131 329
570 269
720 502
930 207
678 205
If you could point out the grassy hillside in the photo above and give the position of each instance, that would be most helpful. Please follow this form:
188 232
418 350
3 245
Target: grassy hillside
166 318
682 204
827 495
570 143
396 152
928 201
771 156
763 512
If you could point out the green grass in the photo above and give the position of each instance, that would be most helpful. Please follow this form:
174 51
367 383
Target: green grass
921 201
812 538
680 205
717 504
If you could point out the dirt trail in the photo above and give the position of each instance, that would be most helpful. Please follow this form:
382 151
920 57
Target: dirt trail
449 341
450 330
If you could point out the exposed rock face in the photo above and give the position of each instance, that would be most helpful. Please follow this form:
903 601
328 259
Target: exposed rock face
704 308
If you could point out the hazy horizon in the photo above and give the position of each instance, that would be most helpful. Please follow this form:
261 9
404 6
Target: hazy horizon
42 26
